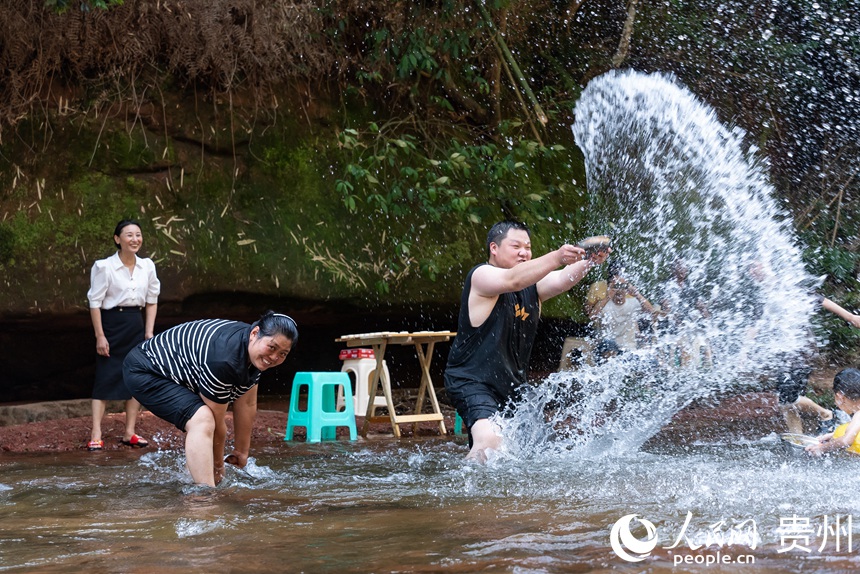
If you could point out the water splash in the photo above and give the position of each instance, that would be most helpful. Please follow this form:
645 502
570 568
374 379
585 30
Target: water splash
677 190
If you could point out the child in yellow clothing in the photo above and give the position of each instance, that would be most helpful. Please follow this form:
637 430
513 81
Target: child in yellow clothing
846 390
840 431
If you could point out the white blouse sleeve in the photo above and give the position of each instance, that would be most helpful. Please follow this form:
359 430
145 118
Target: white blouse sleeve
99 282
153 288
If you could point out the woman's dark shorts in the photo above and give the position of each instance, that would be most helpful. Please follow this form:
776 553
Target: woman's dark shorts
165 398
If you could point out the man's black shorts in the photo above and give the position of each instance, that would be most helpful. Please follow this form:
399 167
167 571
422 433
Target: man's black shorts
475 400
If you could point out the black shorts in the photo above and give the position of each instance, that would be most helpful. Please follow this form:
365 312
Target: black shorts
475 400
165 398
791 383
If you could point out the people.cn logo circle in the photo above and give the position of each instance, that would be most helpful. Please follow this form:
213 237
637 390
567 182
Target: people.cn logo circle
622 540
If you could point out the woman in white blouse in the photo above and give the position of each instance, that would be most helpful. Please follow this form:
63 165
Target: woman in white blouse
121 286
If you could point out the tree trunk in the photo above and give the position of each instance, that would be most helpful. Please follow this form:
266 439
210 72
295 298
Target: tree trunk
626 34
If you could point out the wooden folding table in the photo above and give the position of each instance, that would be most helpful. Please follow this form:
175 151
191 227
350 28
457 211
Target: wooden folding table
424 342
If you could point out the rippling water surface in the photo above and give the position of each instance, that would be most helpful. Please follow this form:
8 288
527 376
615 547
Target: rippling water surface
385 506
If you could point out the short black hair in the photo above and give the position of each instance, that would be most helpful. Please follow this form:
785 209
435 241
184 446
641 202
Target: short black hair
613 268
272 324
499 231
122 225
847 382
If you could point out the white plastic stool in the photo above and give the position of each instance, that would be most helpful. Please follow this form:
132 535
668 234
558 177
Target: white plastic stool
363 370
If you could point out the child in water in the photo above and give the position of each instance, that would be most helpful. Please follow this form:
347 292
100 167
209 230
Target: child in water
846 390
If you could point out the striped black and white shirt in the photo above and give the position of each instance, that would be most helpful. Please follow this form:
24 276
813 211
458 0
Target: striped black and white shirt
209 357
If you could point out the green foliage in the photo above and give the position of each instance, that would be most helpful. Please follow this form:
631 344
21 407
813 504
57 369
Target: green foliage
79 220
843 340
121 150
395 173
320 241
7 243
825 398
416 56
85 5
838 267
839 264
406 183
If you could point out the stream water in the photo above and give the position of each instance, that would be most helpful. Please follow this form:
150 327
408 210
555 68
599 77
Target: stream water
414 506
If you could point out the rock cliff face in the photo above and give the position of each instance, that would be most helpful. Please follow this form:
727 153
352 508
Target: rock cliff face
288 150
231 235
239 214
235 132
219 214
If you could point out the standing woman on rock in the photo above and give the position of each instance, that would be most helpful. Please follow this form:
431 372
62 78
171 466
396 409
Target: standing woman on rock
121 286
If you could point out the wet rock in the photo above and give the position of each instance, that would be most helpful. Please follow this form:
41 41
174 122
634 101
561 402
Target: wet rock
50 410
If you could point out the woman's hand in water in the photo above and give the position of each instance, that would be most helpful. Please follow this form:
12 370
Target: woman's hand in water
219 472
237 459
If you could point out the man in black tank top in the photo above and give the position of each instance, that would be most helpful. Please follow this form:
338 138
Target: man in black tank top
499 311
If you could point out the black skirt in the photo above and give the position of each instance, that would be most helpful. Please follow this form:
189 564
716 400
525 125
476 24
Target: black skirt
124 330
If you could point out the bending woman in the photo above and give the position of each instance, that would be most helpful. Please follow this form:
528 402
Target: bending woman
189 374
120 286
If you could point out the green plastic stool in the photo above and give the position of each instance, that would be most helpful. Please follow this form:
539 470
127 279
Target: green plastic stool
321 418
458 424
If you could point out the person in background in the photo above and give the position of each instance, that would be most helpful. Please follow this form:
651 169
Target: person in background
685 312
846 390
499 310
791 375
598 289
683 298
791 383
804 404
120 287
618 311
189 375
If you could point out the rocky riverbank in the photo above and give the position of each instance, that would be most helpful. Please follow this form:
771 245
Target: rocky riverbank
746 416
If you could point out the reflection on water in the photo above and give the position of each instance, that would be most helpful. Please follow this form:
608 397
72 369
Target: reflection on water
383 506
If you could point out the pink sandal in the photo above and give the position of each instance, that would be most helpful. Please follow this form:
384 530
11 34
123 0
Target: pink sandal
95 445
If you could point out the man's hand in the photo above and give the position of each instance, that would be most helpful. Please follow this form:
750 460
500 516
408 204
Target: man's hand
568 254
598 257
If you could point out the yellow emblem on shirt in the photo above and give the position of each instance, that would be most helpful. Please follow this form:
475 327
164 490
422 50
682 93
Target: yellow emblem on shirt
520 312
